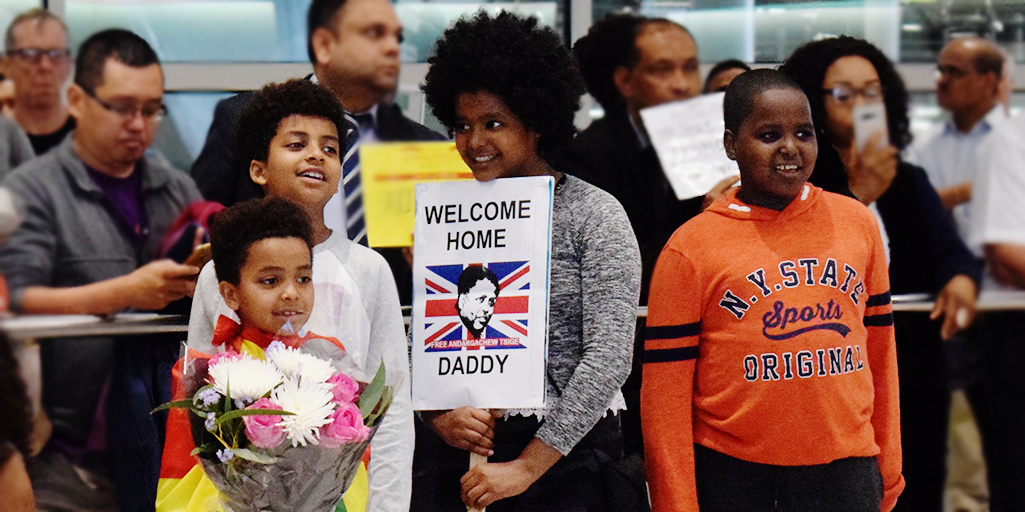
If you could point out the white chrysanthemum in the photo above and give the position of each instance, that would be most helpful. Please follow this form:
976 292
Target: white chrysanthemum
299 365
312 407
247 378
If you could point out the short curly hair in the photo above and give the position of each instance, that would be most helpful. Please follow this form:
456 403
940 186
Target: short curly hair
236 229
808 65
525 65
258 123
739 101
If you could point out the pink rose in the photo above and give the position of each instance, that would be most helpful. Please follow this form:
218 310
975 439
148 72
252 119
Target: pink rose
346 426
344 388
262 429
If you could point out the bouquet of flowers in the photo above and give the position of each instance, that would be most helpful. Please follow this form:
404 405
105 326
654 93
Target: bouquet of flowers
280 429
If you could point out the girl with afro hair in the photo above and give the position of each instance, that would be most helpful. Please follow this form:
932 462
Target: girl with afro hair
508 90
925 252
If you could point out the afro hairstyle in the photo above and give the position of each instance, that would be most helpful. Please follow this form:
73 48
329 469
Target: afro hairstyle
524 65
808 65
236 229
741 94
258 123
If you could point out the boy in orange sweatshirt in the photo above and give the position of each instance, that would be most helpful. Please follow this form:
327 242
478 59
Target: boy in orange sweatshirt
770 377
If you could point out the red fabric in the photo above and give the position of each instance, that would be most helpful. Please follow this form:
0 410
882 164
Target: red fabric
5 298
231 334
177 459
198 212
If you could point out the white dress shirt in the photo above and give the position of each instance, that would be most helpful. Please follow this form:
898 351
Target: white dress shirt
947 159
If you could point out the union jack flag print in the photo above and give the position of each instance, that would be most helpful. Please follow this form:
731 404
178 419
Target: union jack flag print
508 326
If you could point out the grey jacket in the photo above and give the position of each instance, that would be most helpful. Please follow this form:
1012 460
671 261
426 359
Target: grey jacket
15 148
72 236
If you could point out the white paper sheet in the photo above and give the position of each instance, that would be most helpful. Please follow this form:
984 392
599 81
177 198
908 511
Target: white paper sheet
687 136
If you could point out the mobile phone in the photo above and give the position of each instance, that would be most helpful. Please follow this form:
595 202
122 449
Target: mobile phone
200 256
870 119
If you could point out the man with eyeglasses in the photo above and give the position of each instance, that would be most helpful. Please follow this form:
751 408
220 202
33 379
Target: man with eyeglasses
38 61
968 86
96 211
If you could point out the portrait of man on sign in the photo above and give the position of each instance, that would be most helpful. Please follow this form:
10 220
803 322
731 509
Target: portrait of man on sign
477 292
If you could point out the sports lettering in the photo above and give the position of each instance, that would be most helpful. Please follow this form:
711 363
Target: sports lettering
771 366
764 284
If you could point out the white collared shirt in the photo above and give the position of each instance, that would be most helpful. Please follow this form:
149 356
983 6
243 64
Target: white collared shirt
947 159
998 190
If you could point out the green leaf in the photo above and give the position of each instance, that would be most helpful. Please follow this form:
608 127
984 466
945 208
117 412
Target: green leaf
252 412
381 408
368 400
260 458
185 404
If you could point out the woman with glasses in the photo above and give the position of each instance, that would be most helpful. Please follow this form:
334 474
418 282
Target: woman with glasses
925 252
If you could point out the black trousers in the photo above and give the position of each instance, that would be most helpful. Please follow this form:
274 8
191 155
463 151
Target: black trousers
728 484
924 410
573 484
998 401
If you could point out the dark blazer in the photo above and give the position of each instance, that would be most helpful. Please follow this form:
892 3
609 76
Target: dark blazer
608 155
221 177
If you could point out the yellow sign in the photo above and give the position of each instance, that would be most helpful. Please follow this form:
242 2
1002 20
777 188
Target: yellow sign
390 172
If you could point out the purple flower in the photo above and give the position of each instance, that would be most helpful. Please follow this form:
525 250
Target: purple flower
346 426
211 421
344 388
263 429
225 455
209 396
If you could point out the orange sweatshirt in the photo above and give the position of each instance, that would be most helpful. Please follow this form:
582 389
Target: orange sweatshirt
770 339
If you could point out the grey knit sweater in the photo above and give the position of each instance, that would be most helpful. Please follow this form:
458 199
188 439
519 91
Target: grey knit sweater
595 284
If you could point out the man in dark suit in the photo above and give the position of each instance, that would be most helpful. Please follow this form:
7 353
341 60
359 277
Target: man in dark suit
631 63
354 48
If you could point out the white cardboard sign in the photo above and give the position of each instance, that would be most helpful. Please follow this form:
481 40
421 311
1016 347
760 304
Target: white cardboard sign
687 136
481 265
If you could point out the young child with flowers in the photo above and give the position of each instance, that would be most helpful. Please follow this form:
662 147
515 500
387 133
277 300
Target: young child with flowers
292 136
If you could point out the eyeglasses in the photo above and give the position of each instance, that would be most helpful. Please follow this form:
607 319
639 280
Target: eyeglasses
844 94
127 111
35 55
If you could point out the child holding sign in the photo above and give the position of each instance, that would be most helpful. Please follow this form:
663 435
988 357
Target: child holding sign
292 134
508 89
770 374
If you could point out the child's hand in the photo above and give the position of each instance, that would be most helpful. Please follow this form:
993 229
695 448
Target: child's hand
466 428
158 283
957 302
487 483
870 172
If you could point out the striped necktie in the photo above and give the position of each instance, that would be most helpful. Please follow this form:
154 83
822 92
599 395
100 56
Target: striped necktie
354 222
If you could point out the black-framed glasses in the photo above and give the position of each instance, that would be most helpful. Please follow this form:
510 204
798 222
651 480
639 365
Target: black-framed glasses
844 94
127 110
35 55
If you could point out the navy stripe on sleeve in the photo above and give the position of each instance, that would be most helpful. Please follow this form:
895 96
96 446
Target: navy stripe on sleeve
879 320
672 332
878 300
669 355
